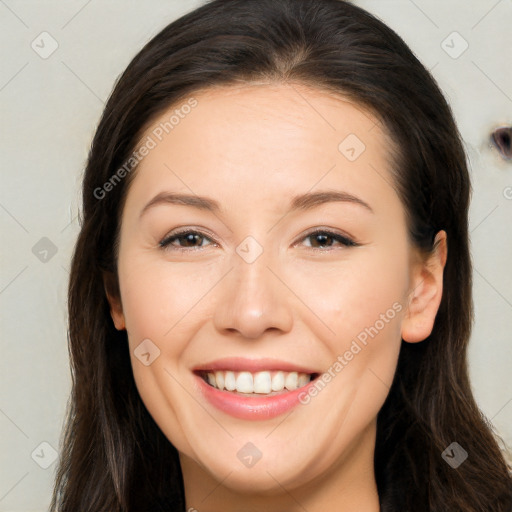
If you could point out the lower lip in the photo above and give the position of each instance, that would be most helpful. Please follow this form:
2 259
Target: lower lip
249 408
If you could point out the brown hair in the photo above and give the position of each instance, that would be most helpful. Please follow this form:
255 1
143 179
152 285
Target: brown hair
114 457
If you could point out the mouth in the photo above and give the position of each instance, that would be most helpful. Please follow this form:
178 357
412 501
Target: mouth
261 383
253 389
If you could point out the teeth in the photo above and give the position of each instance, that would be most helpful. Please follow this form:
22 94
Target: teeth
303 379
290 383
219 378
229 381
211 379
260 382
278 381
244 382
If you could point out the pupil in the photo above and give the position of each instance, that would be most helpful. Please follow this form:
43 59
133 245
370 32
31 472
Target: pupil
322 239
190 238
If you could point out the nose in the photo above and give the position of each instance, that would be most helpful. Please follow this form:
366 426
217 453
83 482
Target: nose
253 300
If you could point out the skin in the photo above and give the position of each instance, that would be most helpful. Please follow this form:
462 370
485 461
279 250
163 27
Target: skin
252 148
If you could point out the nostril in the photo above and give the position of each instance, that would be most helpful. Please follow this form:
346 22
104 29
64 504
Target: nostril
502 140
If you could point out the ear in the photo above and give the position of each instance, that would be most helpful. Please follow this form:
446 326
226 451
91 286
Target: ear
114 299
426 292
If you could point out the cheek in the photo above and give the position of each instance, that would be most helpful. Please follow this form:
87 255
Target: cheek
161 298
360 302
163 306
159 386
348 296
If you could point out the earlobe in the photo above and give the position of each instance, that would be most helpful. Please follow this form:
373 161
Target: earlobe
427 291
114 299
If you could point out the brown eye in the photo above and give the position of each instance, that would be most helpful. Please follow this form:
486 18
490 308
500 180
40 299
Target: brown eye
328 238
185 239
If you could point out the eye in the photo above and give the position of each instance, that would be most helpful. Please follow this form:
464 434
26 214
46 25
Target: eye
190 239
322 238
187 239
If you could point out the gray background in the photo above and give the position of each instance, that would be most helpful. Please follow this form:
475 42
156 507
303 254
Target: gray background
50 107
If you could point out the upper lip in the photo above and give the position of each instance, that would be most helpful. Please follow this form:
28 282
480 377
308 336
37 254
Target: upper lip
240 364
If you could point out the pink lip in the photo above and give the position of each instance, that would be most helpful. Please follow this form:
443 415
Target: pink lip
240 364
249 408
246 407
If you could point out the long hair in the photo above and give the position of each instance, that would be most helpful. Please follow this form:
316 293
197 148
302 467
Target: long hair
114 458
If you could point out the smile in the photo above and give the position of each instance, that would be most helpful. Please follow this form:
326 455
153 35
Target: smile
261 383
251 389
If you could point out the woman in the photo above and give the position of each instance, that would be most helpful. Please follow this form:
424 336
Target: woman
270 296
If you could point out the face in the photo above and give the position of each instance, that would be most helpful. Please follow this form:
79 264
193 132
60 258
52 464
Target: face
265 309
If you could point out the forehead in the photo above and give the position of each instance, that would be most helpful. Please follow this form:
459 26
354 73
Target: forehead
263 141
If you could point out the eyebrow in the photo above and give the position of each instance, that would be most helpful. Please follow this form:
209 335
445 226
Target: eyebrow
301 202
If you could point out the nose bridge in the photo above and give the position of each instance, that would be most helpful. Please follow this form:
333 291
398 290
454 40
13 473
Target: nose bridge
253 300
251 271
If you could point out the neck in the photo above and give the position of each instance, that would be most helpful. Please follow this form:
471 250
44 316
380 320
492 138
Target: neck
349 485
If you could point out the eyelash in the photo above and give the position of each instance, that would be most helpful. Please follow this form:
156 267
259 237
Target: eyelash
343 240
